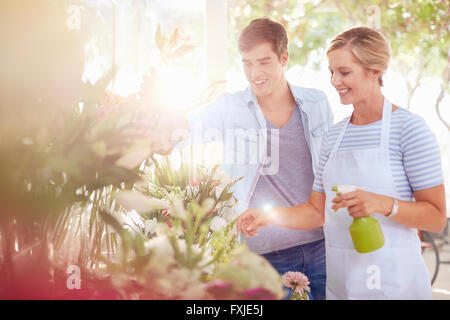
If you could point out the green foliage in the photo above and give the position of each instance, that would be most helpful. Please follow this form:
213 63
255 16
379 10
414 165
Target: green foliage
309 24
413 27
171 47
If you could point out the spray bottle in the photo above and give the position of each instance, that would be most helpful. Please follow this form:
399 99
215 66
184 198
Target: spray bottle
365 231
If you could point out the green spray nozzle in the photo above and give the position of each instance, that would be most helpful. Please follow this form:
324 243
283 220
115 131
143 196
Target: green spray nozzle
335 189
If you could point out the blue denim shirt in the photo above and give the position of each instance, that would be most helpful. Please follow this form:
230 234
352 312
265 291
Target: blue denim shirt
241 111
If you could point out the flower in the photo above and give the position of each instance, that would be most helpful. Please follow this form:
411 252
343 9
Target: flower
176 208
248 270
150 226
218 223
219 290
163 255
297 281
221 181
210 212
195 182
222 177
229 214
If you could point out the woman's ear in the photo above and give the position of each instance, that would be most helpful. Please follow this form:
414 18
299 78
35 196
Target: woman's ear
375 74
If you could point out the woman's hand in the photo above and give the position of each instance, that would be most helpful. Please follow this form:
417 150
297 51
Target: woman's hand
362 203
251 220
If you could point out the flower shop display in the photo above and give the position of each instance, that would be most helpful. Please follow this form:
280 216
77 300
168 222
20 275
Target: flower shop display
91 205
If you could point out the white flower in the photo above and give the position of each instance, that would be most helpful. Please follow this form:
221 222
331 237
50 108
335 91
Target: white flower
182 283
207 205
139 202
162 229
191 191
219 189
176 209
181 243
163 255
150 226
223 177
218 223
228 214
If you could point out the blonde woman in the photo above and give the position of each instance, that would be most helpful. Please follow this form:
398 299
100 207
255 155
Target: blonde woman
394 156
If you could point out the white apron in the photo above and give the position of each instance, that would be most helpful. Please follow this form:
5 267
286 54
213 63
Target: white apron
397 270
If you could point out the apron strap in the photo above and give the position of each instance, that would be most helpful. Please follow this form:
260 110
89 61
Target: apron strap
386 124
385 128
340 136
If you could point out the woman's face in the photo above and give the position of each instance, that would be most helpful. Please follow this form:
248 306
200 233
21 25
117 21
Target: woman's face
353 83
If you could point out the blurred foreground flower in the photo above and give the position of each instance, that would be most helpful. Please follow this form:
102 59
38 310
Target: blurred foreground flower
218 223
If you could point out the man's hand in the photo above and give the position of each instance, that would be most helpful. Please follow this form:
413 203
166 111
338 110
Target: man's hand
251 220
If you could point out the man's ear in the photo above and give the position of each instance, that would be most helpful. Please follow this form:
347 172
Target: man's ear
284 58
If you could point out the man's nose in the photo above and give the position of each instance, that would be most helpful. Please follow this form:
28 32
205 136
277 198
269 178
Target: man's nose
254 72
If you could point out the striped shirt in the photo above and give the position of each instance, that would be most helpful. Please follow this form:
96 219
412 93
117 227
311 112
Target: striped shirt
414 151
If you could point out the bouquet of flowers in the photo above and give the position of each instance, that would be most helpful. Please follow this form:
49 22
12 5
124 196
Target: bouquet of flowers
82 186
189 224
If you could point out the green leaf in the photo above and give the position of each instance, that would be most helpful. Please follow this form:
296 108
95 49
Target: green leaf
159 39
112 221
182 51
173 38
225 196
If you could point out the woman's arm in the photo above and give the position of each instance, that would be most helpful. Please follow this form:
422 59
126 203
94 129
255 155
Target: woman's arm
428 212
422 164
305 216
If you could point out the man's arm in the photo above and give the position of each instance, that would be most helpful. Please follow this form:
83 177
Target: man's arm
329 113
305 216
206 125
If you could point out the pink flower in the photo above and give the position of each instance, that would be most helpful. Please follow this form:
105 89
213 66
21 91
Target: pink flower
195 182
210 212
219 289
297 281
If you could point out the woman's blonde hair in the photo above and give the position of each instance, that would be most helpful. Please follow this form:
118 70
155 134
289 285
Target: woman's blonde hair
368 46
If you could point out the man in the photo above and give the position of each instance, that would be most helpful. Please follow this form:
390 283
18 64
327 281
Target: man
272 133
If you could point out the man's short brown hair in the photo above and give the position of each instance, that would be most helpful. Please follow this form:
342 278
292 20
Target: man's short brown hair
264 30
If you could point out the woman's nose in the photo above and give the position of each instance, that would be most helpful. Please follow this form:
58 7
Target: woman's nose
335 79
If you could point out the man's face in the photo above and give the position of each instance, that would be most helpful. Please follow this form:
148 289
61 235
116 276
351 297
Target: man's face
263 69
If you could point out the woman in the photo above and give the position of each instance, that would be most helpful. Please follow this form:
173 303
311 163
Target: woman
394 156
